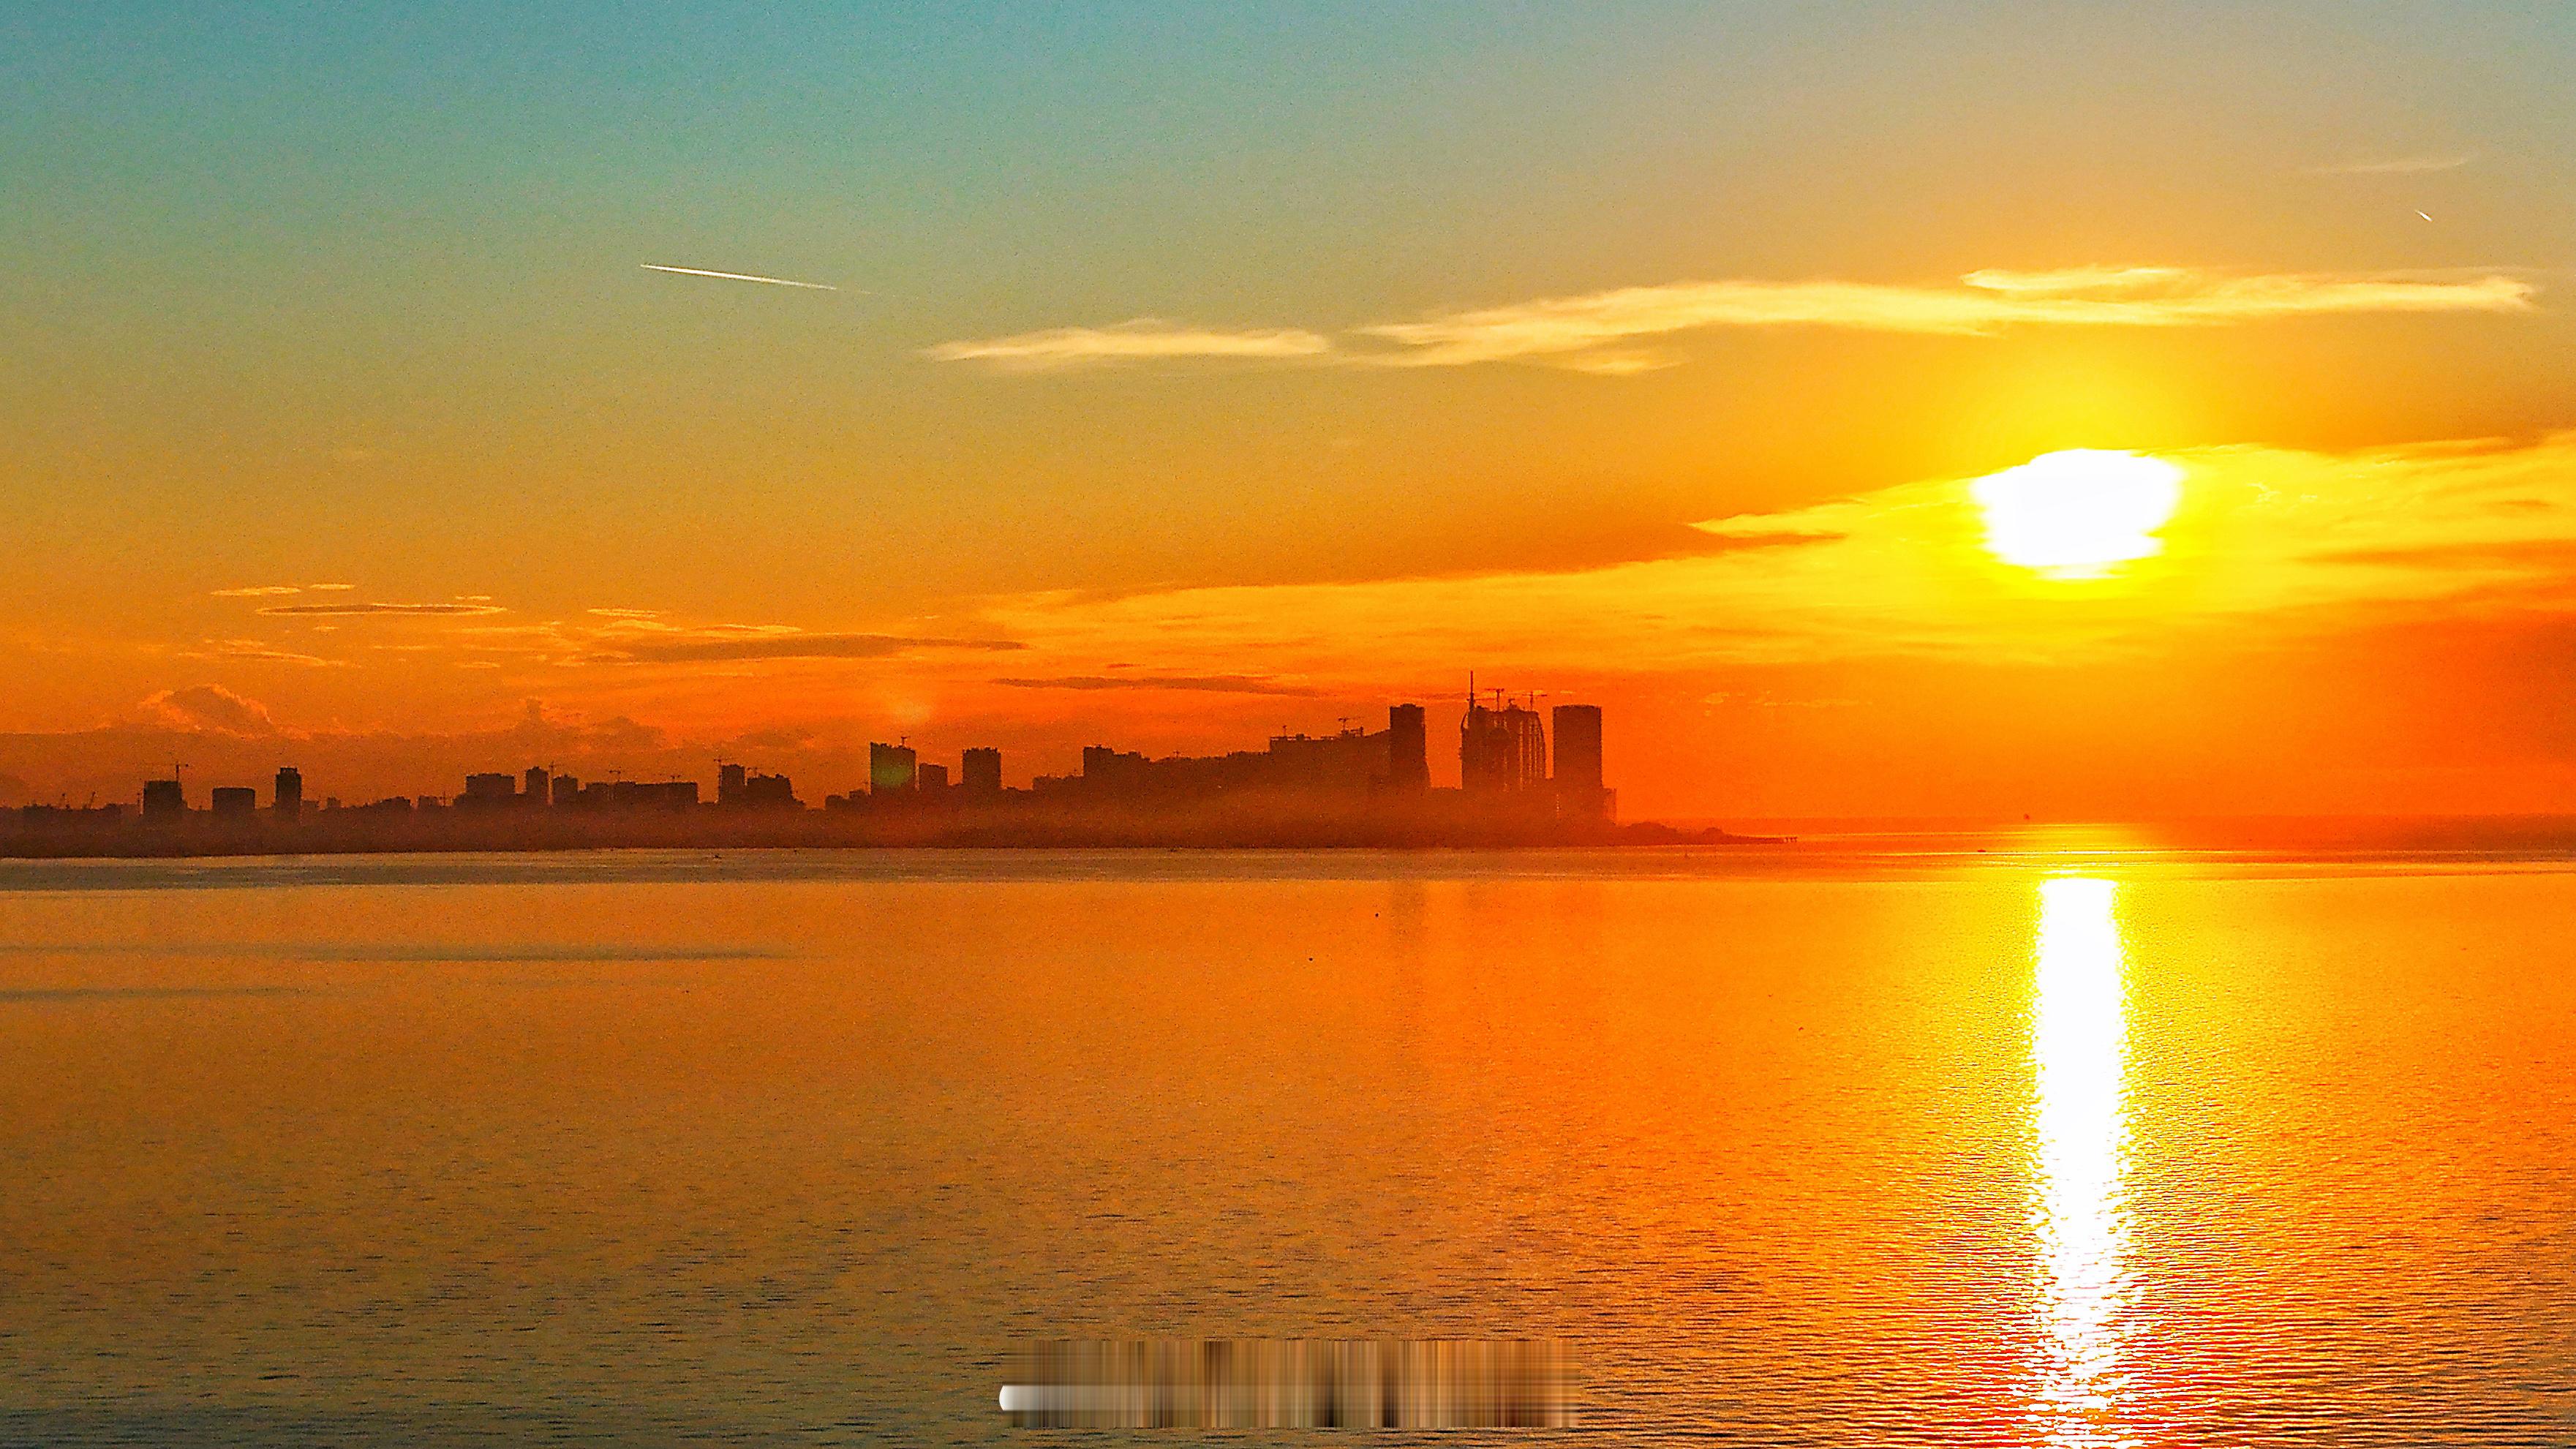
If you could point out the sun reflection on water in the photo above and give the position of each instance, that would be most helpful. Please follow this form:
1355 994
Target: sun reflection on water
2078 1059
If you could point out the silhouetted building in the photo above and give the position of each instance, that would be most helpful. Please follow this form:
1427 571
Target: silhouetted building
982 772
930 777
729 780
652 794
233 802
1408 749
563 790
288 798
890 768
765 792
667 794
489 790
70 817
164 799
1501 750
1579 792
1104 768
533 787
1347 760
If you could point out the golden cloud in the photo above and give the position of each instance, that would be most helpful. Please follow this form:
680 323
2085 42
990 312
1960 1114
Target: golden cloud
1600 332
1143 339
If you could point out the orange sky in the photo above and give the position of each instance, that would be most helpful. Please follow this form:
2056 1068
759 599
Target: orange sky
1177 388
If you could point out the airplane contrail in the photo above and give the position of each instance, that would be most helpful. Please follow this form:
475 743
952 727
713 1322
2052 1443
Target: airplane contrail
737 277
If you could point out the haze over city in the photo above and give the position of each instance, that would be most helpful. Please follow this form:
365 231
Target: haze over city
421 393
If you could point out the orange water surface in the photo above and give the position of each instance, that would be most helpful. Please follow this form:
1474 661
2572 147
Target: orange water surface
2037 1147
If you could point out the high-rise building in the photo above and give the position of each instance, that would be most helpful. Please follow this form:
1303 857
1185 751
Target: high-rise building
533 787
1408 749
1578 761
729 781
289 796
563 790
1578 745
233 802
982 772
164 799
928 778
890 768
488 789
1502 750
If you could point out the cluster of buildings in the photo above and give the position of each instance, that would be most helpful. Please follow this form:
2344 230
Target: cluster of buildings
1506 766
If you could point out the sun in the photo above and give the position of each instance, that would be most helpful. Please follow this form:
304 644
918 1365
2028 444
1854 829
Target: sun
2078 514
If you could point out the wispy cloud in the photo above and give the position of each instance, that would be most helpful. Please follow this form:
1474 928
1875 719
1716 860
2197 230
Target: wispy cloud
257 591
1613 332
1143 339
1205 683
2397 165
312 609
260 651
1981 302
795 646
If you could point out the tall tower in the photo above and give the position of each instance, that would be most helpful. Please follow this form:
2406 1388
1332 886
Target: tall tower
1408 749
288 800
1578 746
1578 761
982 771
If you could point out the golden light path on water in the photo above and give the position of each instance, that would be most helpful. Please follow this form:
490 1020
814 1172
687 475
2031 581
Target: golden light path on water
2078 1061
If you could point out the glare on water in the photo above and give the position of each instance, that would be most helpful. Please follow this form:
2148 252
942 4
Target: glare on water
2078 1059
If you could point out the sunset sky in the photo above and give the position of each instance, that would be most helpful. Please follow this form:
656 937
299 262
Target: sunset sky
1167 376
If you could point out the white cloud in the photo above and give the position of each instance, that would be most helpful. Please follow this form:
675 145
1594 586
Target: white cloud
1601 332
1581 327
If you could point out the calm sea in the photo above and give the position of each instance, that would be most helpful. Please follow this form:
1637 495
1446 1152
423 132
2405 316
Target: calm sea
1858 1146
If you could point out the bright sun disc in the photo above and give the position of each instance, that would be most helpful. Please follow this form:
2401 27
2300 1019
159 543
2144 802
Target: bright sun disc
2077 514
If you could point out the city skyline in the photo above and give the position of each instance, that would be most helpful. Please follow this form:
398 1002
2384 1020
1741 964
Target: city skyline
1394 761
